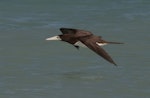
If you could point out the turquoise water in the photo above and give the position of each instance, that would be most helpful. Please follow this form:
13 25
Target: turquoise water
31 67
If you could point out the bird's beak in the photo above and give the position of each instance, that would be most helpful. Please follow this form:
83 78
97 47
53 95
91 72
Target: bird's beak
54 38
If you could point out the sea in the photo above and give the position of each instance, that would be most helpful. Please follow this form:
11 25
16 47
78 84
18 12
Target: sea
31 67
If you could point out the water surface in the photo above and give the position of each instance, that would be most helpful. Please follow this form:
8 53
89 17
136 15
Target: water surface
31 67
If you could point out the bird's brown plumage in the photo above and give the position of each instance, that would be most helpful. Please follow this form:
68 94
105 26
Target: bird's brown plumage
87 38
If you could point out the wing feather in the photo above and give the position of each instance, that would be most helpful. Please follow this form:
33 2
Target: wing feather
100 51
75 32
68 30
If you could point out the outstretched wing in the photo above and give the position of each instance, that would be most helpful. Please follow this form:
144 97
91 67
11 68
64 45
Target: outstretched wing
68 30
100 51
75 32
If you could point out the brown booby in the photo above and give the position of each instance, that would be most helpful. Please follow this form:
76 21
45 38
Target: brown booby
84 38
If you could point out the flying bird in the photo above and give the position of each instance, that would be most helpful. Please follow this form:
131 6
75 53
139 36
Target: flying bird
81 38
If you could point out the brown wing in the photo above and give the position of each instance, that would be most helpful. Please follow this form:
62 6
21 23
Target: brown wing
100 51
68 30
75 32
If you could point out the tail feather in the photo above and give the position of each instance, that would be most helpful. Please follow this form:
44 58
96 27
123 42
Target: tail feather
115 43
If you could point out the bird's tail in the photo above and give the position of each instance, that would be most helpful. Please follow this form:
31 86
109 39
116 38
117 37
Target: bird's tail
115 43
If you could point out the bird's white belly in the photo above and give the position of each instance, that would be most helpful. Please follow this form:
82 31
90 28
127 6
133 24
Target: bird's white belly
82 45
78 43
